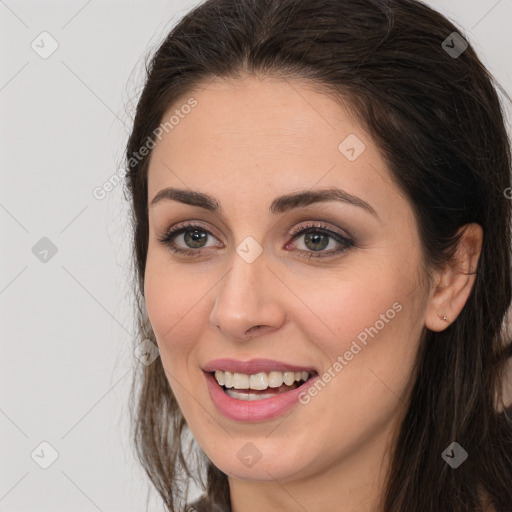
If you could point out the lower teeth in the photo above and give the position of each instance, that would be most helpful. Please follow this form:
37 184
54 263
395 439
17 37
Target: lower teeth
252 397
249 397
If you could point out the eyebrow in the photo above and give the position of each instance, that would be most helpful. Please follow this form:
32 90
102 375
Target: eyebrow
279 205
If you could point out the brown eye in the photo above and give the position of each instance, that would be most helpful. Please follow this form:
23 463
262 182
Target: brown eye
318 238
194 237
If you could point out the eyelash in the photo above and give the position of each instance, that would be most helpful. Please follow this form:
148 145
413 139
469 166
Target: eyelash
346 243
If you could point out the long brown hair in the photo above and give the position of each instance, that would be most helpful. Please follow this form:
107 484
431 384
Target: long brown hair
437 119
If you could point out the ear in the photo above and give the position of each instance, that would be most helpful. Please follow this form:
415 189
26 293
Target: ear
452 285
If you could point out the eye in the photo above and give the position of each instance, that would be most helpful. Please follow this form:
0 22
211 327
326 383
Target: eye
194 236
317 237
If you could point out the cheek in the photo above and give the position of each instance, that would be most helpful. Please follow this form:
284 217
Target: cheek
177 309
176 306
354 306
366 327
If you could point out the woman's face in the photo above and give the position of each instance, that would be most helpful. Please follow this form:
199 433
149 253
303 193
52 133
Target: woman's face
334 287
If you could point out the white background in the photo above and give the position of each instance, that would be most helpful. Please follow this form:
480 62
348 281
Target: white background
66 325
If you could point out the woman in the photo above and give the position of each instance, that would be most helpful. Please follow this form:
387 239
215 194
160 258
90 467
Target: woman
322 253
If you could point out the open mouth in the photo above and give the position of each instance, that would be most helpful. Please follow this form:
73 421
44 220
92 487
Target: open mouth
260 385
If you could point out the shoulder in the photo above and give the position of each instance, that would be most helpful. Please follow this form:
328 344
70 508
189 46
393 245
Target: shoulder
203 504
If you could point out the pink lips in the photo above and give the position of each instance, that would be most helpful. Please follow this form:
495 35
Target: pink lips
258 410
254 366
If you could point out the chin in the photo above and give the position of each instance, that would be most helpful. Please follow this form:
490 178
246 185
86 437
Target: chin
260 460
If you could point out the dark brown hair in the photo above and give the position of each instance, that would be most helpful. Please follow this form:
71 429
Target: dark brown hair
439 124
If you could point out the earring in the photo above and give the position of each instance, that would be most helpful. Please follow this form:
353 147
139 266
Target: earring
445 318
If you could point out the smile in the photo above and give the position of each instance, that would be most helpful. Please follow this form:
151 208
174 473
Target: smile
256 390
261 385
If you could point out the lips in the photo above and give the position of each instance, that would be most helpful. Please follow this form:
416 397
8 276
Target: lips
249 405
254 411
254 366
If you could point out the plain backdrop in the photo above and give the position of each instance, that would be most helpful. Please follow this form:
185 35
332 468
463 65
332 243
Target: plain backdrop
66 319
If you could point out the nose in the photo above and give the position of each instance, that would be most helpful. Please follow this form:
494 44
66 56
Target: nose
247 303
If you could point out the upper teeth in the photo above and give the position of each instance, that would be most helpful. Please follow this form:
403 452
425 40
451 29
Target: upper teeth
259 380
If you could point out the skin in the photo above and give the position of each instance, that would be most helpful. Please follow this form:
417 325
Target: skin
245 143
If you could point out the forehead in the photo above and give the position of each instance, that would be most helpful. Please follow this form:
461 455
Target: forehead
280 113
252 135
